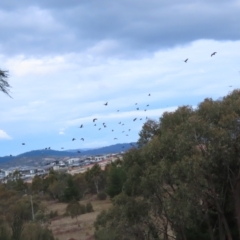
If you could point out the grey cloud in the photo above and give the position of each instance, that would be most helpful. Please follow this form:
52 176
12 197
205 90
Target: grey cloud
138 26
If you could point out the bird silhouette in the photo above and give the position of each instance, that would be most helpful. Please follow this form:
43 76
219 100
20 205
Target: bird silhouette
95 124
79 152
122 124
105 126
186 60
149 94
99 129
213 54
135 103
148 105
137 108
145 110
119 123
94 119
129 129
73 139
140 119
62 147
112 130
230 86
134 119
23 143
81 126
82 139
126 135
122 131
106 103
115 138
117 110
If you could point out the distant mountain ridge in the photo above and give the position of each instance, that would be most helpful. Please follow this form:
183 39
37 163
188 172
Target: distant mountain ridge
36 157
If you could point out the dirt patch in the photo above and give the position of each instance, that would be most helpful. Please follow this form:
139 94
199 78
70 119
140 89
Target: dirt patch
64 227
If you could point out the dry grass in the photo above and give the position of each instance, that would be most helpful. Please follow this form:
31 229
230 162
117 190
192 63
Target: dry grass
65 228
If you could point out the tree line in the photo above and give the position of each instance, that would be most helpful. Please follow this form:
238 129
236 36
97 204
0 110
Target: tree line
183 182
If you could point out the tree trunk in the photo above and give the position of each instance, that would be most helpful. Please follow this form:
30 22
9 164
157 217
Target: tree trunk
209 227
237 204
220 227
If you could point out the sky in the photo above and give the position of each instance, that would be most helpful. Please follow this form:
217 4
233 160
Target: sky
67 58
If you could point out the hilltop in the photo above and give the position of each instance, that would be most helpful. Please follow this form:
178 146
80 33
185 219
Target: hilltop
38 157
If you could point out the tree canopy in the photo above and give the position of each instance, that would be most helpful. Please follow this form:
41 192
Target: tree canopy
184 181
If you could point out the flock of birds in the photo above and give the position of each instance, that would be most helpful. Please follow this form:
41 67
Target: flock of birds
104 125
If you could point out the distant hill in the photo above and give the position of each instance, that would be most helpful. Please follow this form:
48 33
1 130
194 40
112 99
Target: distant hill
36 157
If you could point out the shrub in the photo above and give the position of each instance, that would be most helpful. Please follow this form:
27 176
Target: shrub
83 208
102 195
89 207
53 214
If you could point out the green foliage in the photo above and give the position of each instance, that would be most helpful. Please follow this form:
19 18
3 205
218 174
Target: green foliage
95 178
71 190
34 231
115 180
53 214
102 195
89 207
183 181
74 209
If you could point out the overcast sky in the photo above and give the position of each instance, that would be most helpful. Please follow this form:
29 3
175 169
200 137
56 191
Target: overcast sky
67 58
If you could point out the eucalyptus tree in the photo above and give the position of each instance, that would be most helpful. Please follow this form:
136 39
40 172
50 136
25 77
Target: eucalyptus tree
4 85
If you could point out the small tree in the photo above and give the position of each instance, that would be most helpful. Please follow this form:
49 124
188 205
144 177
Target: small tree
89 207
74 209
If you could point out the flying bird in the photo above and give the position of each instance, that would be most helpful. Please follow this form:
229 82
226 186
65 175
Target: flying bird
149 94
145 110
81 126
82 139
23 143
99 129
119 123
112 130
62 147
129 129
137 108
106 103
79 152
140 119
95 124
94 119
117 110
230 86
122 131
134 119
73 139
135 103
213 54
148 105
186 60
115 138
